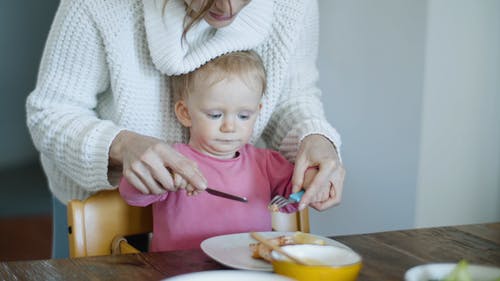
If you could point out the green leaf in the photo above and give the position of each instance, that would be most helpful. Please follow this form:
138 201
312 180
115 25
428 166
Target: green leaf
460 272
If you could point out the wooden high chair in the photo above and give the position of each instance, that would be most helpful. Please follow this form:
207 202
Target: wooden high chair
99 224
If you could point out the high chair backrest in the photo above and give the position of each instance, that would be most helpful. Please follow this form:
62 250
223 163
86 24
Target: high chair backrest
94 223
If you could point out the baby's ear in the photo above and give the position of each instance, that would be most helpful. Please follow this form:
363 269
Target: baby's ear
182 113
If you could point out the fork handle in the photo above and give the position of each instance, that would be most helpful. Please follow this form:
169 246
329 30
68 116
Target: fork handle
297 195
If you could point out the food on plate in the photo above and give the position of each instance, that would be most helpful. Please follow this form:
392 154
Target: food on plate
260 251
459 273
304 238
273 208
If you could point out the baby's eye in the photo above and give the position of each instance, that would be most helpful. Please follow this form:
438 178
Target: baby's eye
214 115
244 116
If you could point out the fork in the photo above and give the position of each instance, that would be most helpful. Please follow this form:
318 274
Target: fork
279 201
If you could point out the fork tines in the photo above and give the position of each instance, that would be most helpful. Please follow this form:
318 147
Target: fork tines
279 201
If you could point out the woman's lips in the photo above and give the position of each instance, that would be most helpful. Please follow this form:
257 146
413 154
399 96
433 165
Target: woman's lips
220 17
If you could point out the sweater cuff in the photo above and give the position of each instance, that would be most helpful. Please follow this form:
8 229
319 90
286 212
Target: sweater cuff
99 143
291 142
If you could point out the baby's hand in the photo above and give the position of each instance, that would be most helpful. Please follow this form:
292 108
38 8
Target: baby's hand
181 183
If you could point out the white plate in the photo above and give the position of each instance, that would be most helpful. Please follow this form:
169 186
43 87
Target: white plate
229 275
438 271
233 249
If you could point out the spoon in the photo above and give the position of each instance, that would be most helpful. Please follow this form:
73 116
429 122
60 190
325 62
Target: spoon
278 249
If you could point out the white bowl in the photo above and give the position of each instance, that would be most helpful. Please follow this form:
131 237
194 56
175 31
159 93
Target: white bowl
325 255
228 275
438 271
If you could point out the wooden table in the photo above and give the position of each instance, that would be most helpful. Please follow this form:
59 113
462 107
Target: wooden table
386 256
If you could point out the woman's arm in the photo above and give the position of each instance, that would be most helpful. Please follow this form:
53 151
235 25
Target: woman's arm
308 139
300 111
60 110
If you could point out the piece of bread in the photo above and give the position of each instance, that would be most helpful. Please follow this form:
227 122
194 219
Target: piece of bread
260 251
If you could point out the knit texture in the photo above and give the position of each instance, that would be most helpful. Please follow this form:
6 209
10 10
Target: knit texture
105 65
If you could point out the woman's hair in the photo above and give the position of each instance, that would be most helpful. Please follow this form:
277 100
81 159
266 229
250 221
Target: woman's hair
245 64
191 21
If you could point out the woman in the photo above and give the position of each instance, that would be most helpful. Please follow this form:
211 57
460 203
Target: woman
102 107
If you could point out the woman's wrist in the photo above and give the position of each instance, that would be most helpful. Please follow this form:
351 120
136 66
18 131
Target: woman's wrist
315 137
115 150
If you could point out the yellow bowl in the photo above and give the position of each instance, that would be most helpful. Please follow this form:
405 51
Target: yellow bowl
327 263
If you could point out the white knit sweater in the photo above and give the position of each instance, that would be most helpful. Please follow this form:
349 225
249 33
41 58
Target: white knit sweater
104 70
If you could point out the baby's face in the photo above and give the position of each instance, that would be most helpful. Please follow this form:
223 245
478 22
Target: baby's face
222 115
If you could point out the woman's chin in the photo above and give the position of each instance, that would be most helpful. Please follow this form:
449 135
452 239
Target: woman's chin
218 23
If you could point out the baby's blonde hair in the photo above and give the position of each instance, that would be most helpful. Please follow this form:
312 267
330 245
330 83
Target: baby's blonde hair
245 64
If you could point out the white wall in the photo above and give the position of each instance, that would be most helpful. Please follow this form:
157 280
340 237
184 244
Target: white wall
413 87
459 179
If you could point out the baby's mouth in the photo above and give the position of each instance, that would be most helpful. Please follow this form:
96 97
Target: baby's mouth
227 141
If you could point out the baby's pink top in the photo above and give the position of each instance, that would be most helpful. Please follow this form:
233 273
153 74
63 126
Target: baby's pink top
183 222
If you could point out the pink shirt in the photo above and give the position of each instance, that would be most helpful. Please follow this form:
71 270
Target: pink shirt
183 222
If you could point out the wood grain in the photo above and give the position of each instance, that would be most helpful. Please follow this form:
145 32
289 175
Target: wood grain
386 256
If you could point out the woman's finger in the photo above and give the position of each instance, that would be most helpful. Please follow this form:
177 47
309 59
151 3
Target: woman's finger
142 172
299 170
135 181
160 173
333 200
335 192
319 183
188 169
179 182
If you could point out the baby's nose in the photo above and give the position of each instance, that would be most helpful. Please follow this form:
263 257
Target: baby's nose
227 125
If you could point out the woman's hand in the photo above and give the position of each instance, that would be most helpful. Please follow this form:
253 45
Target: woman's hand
181 183
153 166
325 190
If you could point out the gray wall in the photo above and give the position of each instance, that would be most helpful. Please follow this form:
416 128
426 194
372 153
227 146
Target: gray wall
413 86
371 71
459 174
24 25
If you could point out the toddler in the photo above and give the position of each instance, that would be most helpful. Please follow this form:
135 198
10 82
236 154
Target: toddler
219 103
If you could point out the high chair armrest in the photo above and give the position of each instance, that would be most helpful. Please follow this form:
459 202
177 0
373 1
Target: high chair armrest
119 246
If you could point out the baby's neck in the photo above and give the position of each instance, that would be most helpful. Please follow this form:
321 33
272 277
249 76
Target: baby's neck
217 156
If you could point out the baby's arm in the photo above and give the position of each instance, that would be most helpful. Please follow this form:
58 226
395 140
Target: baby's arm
134 197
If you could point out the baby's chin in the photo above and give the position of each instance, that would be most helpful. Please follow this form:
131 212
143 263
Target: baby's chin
224 151
218 149
224 154
219 153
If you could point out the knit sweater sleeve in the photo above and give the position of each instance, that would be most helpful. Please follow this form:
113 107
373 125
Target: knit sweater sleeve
60 111
300 112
